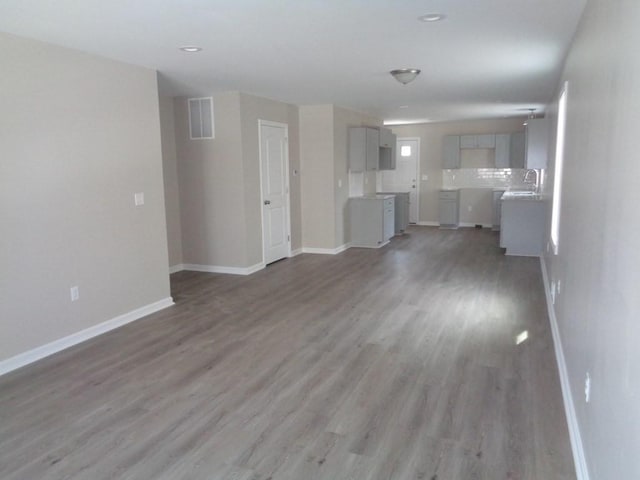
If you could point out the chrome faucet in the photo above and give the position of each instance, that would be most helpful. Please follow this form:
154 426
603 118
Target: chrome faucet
536 184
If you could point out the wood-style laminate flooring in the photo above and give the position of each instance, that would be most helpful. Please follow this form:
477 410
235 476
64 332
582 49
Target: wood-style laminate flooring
395 363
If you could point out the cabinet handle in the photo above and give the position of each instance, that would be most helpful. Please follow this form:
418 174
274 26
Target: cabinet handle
267 202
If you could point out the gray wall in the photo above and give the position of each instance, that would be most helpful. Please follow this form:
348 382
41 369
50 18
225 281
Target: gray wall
317 177
79 135
219 181
211 183
598 263
170 174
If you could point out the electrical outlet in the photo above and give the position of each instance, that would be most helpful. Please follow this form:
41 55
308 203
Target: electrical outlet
75 293
425 178
587 388
138 199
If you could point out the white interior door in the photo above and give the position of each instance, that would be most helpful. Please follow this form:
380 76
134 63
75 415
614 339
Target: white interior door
274 172
405 177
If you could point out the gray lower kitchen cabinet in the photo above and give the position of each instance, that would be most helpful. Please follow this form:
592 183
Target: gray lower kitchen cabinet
372 220
364 149
523 226
451 151
401 212
497 207
449 208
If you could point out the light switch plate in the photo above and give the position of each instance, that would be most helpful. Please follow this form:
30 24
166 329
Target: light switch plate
138 198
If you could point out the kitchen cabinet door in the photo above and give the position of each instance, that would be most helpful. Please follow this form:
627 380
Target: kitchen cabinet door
537 143
517 150
503 148
364 149
449 208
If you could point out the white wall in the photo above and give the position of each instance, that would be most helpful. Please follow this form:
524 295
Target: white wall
79 135
598 263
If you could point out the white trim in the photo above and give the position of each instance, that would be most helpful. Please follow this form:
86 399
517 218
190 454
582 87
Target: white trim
269 123
193 267
296 252
579 457
418 179
43 351
469 224
326 251
176 268
428 224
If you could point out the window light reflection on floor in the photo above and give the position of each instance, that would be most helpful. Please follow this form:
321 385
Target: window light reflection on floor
522 337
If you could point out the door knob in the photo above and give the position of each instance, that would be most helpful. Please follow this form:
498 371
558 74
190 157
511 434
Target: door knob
267 202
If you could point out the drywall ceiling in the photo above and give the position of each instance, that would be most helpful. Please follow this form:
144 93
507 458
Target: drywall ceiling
487 59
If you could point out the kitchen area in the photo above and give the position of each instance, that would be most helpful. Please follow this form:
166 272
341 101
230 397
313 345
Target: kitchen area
483 180
503 172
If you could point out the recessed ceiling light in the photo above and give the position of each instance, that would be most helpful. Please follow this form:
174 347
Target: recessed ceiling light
190 49
432 17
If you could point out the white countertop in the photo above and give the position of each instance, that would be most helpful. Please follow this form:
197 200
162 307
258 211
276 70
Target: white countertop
375 197
523 196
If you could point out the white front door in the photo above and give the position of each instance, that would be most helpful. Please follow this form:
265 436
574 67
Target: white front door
405 177
274 173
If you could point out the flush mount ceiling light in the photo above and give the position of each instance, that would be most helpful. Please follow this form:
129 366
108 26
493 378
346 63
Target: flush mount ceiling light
432 17
191 49
405 75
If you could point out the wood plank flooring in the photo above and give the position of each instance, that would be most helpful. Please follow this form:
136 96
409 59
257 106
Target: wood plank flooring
396 363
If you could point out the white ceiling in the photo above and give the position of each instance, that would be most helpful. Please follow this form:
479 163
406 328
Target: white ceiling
488 59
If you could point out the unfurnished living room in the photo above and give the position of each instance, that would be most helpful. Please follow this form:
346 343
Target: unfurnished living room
268 240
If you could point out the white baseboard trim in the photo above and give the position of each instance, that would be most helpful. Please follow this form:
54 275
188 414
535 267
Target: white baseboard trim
176 268
428 224
327 251
43 351
296 252
468 224
579 457
218 269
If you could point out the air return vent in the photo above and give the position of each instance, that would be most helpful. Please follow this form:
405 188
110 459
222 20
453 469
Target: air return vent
201 118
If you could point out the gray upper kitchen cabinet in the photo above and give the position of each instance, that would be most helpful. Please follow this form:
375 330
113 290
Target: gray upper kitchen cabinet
451 151
503 150
387 137
478 141
387 151
517 150
510 150
537 143
364 149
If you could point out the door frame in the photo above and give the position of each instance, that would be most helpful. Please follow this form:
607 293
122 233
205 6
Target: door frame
418 179
269 123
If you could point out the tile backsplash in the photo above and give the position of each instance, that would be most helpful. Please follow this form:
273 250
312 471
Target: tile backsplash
484 178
